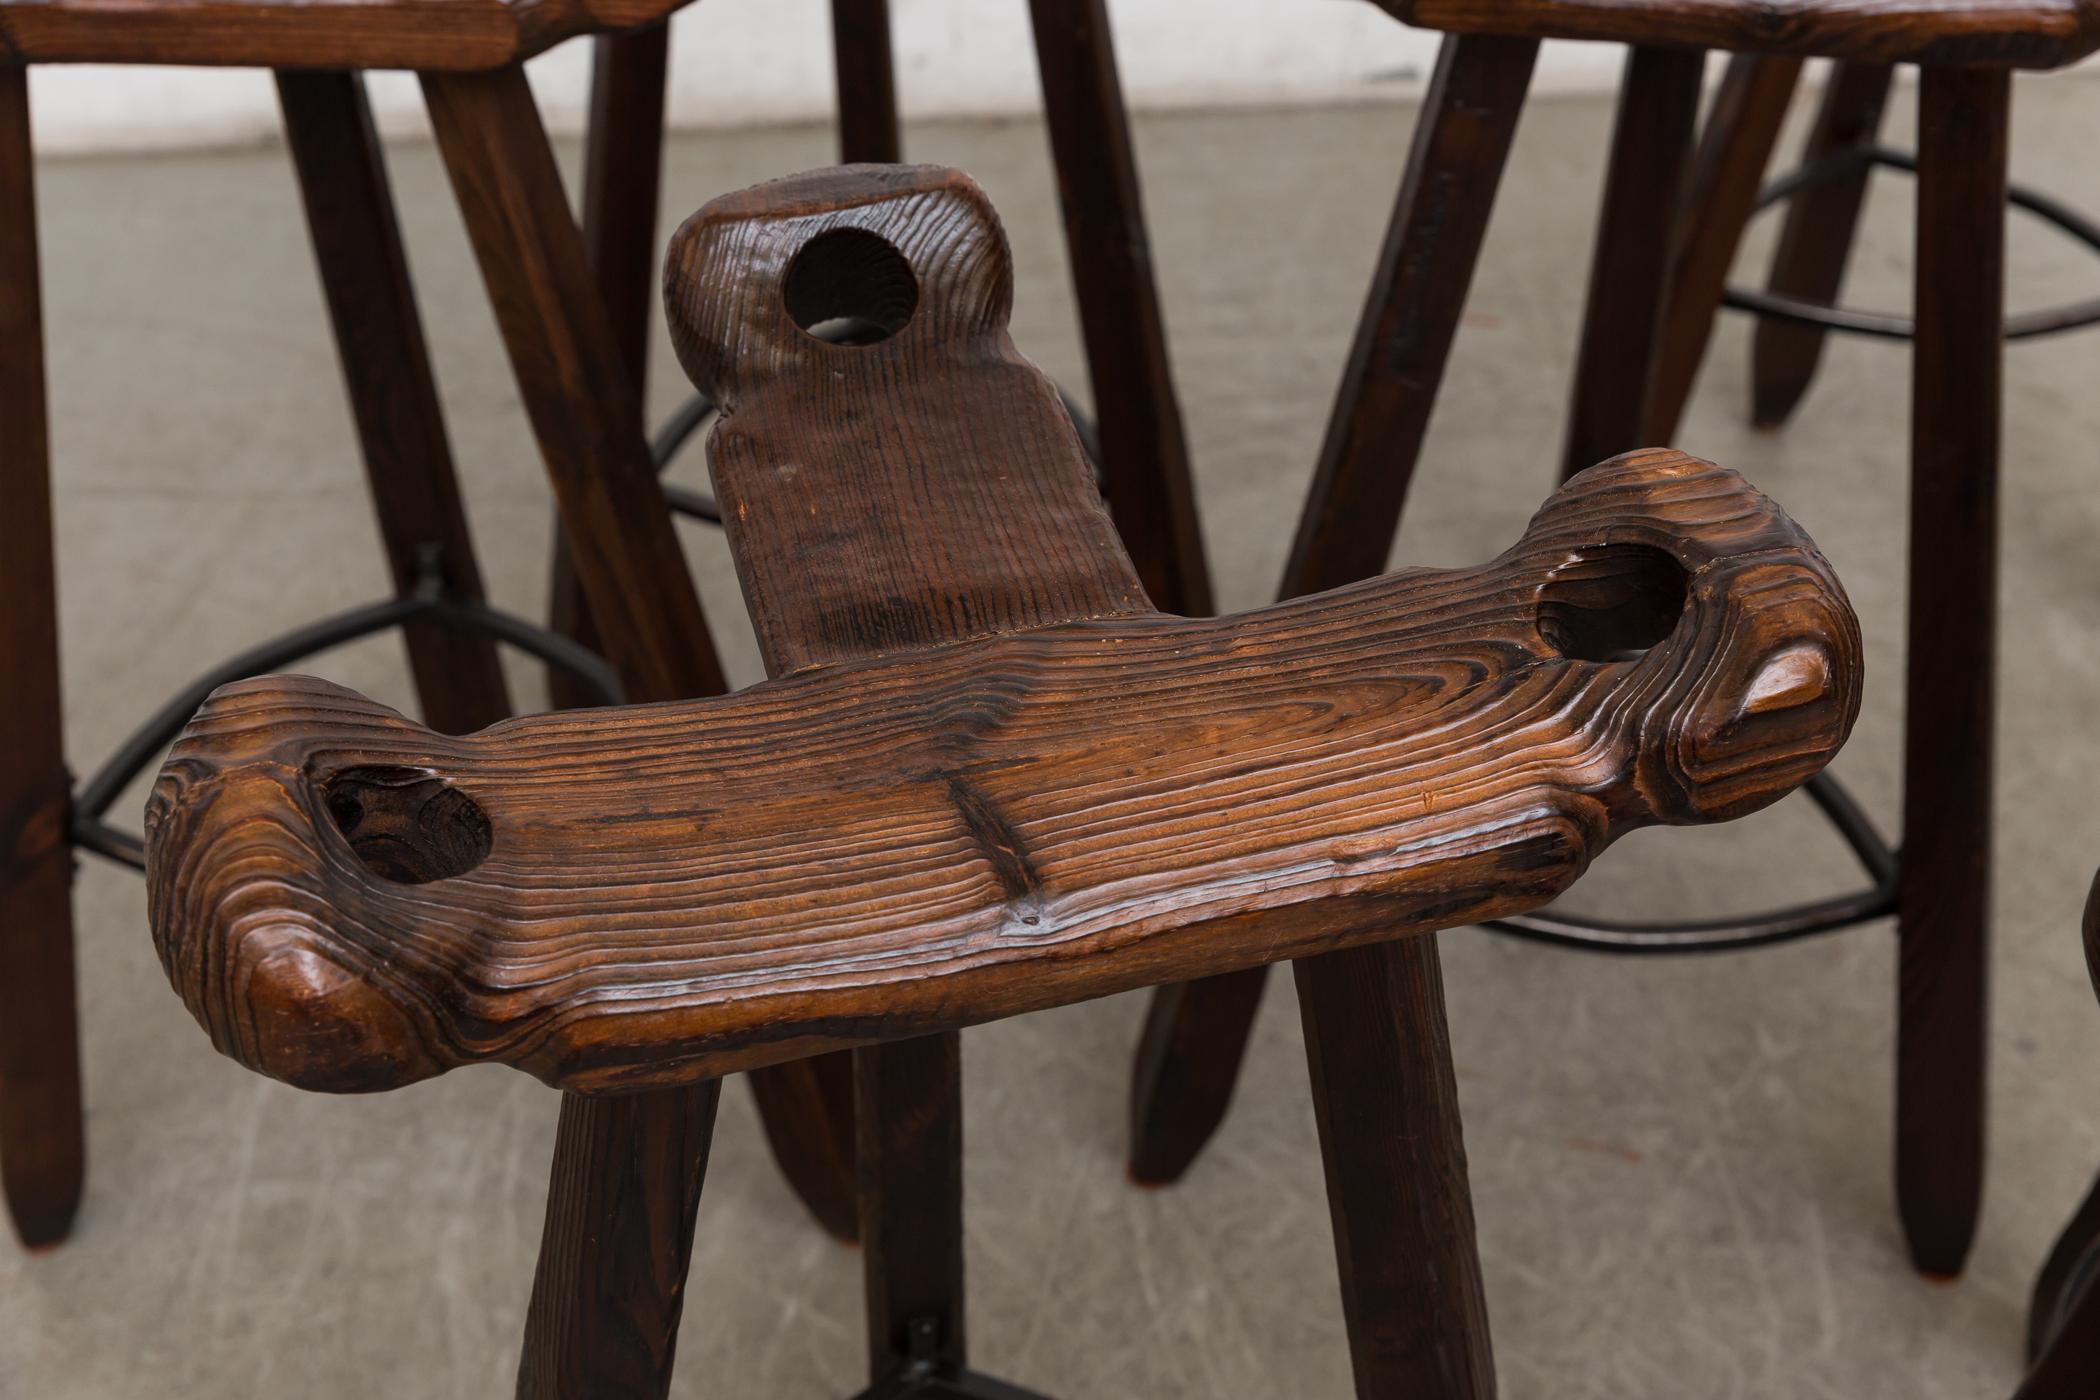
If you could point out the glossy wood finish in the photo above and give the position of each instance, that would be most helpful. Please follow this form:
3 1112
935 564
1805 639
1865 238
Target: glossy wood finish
431 36
954 833
43 1154
1189 1055
393 394
1742 126
627 1172
622 176
1410 1269
1993 33
867 81
1622 323
1815 242
1144 453
1944 889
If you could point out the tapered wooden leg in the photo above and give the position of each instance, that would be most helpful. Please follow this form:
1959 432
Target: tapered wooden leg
908 1095
627 1170
1387 1104
622 175
1816 240
43 1153
1144 456
1630 270
603 1324
1195 1035
1944 892
393 395
1741 129
867 82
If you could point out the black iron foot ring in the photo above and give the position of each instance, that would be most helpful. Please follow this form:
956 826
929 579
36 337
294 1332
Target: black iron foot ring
428 601
1726 934
1847 161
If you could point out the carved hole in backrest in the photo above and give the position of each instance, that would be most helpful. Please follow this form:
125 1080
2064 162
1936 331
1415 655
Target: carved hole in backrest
1611 602
850 287
407 825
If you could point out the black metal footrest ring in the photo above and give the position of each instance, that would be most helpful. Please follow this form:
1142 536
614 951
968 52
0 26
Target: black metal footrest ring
1847 161
1728 934
428 602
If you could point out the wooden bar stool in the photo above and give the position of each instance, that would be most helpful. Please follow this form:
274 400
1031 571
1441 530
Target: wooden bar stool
1134 435
1967 48
626 1162
988 777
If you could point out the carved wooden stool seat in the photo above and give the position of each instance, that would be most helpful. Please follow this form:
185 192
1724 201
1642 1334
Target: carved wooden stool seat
1649 273
575 315
988 777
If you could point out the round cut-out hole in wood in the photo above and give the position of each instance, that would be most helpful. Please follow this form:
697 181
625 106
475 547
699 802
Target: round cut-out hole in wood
407 825
850 287
1611 602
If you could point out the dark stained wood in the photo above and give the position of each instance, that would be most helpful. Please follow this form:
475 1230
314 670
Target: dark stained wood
393 395
867 82
43 1153
1944 894
989 777
575 383
625 1175
1410 1270
622 175
1144 453
1195 1036
958 830
908 1103
447 36
1425 267
603 1323
1742 126
1992 33
2063 1321
1816 241
1630 267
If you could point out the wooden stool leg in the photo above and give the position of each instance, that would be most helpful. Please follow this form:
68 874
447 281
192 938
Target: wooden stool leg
627 1168
393 396
1195 1035
1737 145
43 1154
1630 270
1815 241
622 174
909 1099
2065 1300
1944 891
1144 457
603 1324
867 82
1387 1103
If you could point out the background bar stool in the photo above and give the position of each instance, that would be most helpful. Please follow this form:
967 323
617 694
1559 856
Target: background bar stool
624 1165
1941 894
1018 802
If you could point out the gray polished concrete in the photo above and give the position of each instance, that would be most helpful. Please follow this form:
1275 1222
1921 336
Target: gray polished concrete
1681 1168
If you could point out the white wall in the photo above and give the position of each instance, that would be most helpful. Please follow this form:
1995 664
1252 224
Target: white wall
751 61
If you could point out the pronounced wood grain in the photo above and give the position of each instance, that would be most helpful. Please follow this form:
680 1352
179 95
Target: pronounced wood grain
426 35
652 895
1983 33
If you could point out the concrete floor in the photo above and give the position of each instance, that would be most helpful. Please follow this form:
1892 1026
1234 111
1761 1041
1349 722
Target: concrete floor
1681 1168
